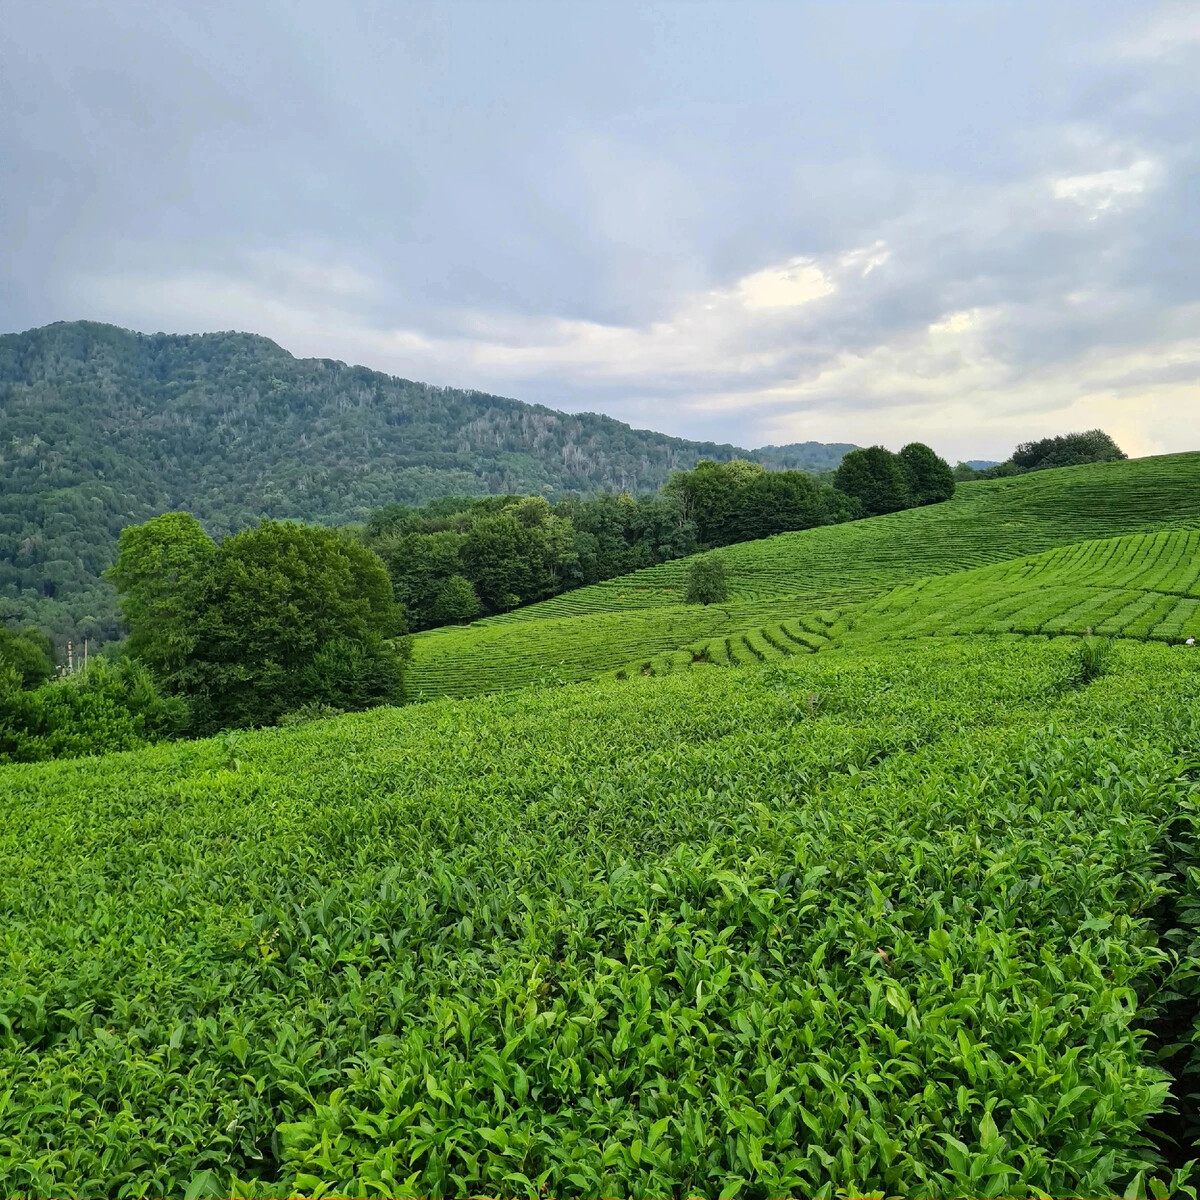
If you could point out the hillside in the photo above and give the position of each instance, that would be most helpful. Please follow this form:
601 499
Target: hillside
608 625
869 923
101 427
1144 586
1139 586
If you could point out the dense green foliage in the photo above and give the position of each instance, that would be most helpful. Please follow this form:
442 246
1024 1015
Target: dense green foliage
102 428
876 479
105 707
865 923
1070 450
706 581
739 500
1067 451
273 618
605 626
928 478
27 652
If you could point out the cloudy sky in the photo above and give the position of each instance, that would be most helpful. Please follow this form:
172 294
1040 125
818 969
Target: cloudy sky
969 222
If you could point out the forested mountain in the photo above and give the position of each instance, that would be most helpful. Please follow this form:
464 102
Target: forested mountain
101 427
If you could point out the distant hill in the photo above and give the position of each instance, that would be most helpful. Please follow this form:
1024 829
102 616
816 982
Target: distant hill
803 456
101 427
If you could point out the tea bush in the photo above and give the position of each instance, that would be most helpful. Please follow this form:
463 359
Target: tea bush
696 935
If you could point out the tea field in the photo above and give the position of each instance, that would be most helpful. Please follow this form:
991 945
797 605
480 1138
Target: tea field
1141 586
855 922
580 634
1138 586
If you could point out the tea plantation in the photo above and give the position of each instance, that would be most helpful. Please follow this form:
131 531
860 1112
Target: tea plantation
792 574
1141 586
862 922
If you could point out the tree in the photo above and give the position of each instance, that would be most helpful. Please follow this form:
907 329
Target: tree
712 497
275 617
706 581
928 477
159 569
455 602
29 654
419 564
873 477
777 502
1070 450
290 614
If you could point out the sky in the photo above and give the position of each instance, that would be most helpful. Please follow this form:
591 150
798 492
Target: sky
967 223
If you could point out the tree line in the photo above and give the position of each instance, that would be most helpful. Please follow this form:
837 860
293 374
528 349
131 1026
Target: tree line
1067 450
454 560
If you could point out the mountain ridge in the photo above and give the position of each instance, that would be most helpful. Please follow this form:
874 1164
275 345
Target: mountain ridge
101 427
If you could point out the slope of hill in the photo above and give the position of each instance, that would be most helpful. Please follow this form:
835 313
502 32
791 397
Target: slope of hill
101 427
684 936
798 573
1142 585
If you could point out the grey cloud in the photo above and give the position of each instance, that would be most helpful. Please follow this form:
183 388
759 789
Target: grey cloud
436 188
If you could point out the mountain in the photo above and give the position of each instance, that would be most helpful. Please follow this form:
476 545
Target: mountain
102 427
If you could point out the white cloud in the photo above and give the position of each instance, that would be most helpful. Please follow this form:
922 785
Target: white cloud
1165 33
956 322
797 282
1101 191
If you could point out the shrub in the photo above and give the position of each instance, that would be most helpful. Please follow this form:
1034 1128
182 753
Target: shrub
706 581
29 653
1093 658
310 712
107 707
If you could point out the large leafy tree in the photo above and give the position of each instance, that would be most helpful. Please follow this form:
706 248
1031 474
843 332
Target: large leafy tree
159 572
712 496
929 478
776 502
275 617
874 477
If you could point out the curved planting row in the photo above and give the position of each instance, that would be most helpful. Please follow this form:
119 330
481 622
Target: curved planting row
1141 586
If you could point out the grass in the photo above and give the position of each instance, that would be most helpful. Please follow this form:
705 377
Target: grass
859 922
640 617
